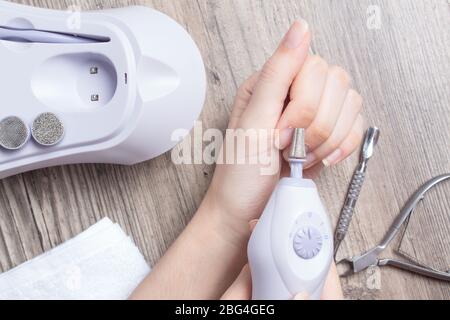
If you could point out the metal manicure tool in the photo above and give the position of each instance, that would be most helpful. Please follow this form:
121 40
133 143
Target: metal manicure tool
370 258
354 190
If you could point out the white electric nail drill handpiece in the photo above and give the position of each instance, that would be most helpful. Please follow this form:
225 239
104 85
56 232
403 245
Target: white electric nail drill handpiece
291 248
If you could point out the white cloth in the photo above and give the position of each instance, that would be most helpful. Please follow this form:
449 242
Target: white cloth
100 263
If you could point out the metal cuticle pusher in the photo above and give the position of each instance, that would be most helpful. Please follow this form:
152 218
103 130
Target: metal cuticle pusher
371 140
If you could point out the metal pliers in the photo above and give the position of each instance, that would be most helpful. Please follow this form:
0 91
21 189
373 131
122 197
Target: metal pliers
370 258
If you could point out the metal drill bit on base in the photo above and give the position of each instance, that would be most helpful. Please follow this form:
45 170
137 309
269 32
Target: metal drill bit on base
14 133
356 184
47 129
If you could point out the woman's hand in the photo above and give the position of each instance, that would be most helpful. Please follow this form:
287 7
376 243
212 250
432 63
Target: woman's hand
241 289
293 90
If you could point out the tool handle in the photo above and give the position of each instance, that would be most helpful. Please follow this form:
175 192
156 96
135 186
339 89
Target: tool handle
290 251
435 274
409 207
350 203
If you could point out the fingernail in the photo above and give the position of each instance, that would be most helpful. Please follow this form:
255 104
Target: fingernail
295 35
310 159
333 158
285 138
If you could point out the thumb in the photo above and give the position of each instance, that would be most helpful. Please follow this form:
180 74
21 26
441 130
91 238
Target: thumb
276 77
302 296
241 289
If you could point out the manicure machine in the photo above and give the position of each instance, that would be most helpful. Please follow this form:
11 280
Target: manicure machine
106 86
291 248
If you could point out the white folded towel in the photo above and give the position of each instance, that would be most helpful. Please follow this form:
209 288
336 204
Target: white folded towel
100 263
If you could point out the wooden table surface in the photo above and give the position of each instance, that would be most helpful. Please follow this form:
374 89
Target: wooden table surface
398 55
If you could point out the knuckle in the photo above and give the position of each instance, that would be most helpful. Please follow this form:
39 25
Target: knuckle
321 131
347 149
269 71
333 144
244 89
307 113
271 74
318 61
340 75
356 99
353 141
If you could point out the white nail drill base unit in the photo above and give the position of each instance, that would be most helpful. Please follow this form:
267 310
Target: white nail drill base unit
291 248
120 81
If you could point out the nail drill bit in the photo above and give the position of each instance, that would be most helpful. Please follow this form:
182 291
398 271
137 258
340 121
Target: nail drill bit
297 155
298 149
356 184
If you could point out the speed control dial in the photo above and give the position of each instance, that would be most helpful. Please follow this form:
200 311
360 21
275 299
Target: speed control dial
308 242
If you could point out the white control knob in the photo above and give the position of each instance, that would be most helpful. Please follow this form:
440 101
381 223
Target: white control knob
308 242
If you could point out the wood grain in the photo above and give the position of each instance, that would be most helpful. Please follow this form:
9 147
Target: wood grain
402 69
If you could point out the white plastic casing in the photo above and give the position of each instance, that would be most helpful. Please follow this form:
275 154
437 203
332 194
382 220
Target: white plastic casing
151 81
279 272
